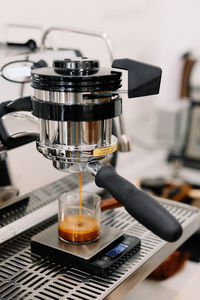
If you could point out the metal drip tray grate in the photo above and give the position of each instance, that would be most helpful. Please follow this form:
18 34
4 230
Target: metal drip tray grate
27 276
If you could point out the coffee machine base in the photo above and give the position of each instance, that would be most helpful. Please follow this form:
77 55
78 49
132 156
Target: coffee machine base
101 257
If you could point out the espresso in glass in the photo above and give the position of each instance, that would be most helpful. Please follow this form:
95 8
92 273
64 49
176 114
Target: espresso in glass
79 221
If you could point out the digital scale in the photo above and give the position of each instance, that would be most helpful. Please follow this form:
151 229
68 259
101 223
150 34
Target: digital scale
101 257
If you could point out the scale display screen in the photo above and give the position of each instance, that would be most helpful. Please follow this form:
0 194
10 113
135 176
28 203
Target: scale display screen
117 250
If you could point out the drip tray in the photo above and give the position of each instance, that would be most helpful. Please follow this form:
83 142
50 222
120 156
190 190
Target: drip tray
48 239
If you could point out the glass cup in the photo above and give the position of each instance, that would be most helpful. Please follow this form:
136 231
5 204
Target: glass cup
79 223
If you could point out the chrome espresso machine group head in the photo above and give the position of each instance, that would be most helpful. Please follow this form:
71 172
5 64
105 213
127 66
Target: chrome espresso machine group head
75 101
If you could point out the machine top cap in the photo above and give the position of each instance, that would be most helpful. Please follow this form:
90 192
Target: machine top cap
79 74
76 66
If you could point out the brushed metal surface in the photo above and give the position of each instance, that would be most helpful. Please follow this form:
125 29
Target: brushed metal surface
50 238
24 275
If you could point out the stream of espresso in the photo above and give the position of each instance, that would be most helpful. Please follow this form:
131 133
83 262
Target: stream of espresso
79 181
80 227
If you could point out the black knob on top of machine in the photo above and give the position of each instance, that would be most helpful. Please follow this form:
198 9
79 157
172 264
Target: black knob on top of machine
77 66
78 74
143 79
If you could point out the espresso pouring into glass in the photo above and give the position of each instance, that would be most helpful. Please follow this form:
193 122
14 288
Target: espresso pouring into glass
79 222
75 102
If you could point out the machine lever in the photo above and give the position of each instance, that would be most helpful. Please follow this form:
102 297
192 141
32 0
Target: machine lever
143 79
30 44
21 104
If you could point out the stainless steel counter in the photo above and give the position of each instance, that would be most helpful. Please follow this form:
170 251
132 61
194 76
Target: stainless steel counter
27 276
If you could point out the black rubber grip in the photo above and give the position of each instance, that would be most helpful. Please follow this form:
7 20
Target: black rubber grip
139 204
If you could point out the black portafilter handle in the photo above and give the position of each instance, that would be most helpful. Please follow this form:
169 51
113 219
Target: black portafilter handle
139 204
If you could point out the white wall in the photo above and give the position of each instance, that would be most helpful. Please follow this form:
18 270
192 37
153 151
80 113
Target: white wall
155 31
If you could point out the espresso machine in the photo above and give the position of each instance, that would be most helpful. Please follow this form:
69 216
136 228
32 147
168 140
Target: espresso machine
75 101
24 273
